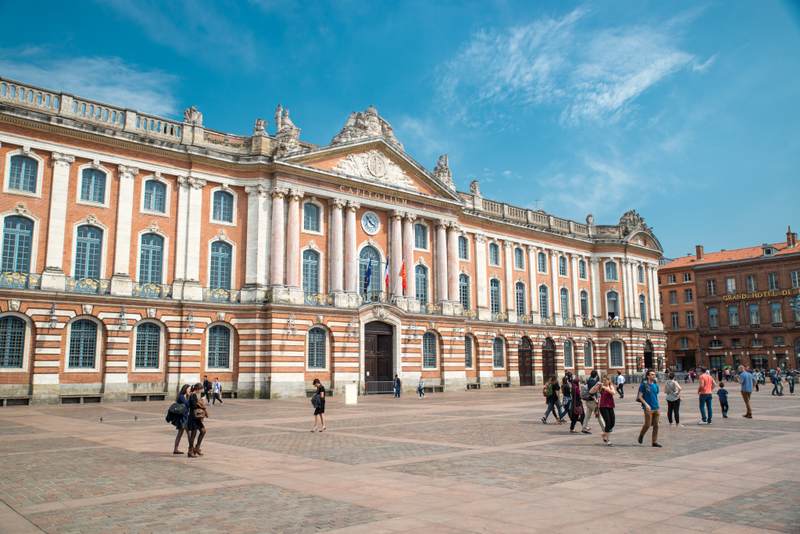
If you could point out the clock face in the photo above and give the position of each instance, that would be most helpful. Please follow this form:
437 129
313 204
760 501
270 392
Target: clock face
370 223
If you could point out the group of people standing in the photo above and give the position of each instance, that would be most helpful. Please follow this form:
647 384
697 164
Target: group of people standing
581 399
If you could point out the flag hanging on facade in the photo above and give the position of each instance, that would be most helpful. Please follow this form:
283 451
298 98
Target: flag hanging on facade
386 274
367 276
403 276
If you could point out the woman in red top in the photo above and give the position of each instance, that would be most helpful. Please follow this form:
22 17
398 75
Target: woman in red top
606 407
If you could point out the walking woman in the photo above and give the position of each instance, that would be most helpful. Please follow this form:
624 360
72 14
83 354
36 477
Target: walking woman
553 404
576 413
607 391
318 400
197 415
673 390
181 421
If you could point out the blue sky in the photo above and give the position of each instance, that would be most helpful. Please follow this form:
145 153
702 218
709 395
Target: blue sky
686 111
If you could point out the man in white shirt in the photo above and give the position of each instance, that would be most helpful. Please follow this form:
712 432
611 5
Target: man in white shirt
620 381
217 391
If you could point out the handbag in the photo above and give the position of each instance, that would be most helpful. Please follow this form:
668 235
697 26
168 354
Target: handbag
200 413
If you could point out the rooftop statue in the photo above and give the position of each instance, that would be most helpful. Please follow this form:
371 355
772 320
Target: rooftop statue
443 173
193 116
365 125
631 221
288 135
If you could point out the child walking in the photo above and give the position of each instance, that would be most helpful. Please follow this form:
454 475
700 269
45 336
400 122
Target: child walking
723 399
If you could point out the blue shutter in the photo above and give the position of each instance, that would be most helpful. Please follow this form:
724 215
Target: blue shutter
221 253
494 295
497 353
88 252
23 173
467 352
155 196
421 283
311 272
82 344
564 303
12 342
148 345
311 217
219 347
463 291
429 350
316 348
520 294
17 243
544 303
93 185
223 206
151 255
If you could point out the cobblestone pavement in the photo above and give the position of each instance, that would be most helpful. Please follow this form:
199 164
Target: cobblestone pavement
476 461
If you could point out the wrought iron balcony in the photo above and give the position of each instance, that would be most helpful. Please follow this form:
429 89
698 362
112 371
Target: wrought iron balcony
500 317
589 322
152 291
318 299
568 321
14 280
220 295
430 308
525 319
369 297
91 286
548 321
616 323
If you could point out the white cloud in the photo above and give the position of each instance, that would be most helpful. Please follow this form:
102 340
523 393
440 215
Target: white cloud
591 74
106 79
704 66
421 136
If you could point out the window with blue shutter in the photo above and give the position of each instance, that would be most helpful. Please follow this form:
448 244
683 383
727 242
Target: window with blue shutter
542 260
82 344
421 283
498 353
221 254
611 270
568 354
544 302
588 354
88 252
310 272
584 304
151 256
223 206
316 348
421 236
463 291
93 185
155 196
519 291
17 243
148 345
564 303
23 172
468 352
494 295
616 353
429 351
311 217
219 347
12 342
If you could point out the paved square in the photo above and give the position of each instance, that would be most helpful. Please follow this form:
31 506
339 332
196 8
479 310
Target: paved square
476 461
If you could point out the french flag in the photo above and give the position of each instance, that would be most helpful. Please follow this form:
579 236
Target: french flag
386 274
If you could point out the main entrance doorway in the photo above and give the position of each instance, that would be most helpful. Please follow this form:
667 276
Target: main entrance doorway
525 362
648 355
549 358
378 357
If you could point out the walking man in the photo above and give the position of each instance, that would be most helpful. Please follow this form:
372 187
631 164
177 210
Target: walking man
648 396
217 391
705 390
590 399
396 387
206 388
620 381
746 380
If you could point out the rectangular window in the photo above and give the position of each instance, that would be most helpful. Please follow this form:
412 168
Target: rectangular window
750 283
711 287
468 352
676 322
562 266
688 295
733 315
730 285
713 318
795 279
421 236
582 269
689 319
687 277
772 279
673 297
736 343
755 316
519 258
670 278
463 248
494 254
776 311
542 261
778 341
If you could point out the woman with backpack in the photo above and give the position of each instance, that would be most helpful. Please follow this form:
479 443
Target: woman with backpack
197 415
576 413
181 420
318 401
550 392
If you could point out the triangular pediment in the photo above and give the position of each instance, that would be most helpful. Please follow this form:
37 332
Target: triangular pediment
377 162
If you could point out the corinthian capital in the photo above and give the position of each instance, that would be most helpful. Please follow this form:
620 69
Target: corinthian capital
196 183
260 190
127 172
60 159
279 193
295 194
338 203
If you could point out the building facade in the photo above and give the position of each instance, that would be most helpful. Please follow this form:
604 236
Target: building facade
140 253
733 307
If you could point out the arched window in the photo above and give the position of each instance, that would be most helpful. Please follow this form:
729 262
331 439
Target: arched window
584 304
544 302
494 295
498 353
221 255
311 217
463 248
421 283
23 173
568 359
223 206
429 350
310 272
421 236
155 196
612 304
611 270
148 346
219 347
542 260
17 244
564 296
588 355
88 252
93 185
82 344
615 348
151 259
640 274
12 342
494 254
317 348
369 272
562 266
468 356
643 307
582 269
519 297
519 258
463 291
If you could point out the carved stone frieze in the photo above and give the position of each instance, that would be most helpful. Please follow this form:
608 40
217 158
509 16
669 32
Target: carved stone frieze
374 165
365 125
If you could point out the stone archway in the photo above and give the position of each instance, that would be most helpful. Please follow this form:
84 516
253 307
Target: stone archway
549 358
378 357
525 359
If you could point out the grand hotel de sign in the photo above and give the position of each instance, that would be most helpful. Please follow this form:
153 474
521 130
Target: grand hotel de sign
140 253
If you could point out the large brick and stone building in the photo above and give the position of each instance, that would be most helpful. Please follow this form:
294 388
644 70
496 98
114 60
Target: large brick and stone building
733 307
140 253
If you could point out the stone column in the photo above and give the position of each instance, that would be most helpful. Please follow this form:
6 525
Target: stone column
180 235
482 297
511 301
121 284
441 261
453 231
336 254
594 273
576 298
396 252
626 314
53 277
408 258
293 247
278 252
256 257
191 286
351 254
556 290
533 288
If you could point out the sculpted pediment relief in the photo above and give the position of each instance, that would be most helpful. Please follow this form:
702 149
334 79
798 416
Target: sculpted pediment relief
374 165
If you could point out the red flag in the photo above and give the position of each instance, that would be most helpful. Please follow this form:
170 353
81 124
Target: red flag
403 276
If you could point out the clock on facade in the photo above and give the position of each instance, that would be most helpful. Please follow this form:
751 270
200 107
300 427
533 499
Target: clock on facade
370 223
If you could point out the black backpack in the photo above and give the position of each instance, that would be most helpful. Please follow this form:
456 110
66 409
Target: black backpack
315 400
